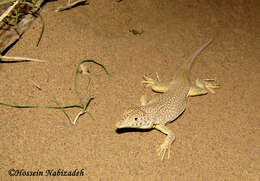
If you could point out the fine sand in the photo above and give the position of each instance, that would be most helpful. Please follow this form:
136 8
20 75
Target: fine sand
217 137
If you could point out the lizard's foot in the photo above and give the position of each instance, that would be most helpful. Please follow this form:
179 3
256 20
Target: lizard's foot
163 149
167 142
148 81
207 84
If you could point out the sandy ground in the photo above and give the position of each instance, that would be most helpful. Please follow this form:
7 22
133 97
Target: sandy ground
217 136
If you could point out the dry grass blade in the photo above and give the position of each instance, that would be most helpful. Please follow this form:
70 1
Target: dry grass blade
16 19
22 59
9 10
70 5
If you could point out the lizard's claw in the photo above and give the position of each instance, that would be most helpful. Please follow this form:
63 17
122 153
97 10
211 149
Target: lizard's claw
148 81
208 84
162 150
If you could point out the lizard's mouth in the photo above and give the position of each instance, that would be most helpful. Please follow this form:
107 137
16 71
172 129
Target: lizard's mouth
139 125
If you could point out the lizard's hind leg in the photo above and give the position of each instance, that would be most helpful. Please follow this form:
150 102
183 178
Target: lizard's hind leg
203 86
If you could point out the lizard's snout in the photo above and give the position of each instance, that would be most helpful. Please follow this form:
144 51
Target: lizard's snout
118 124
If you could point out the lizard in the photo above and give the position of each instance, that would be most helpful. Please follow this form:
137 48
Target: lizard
169 105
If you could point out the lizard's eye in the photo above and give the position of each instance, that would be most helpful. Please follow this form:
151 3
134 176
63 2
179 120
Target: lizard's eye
136 119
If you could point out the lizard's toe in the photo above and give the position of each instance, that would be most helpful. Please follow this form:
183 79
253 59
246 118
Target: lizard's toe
208 84
162 150
148 81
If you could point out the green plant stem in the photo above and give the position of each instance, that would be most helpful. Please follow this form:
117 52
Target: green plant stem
38 106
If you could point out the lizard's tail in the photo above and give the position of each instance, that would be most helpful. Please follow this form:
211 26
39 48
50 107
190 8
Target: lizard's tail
181 79
188 63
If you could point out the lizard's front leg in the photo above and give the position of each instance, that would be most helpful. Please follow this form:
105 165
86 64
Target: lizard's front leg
143 100
167 142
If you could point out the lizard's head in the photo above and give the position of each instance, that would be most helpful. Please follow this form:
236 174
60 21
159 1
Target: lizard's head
134 117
